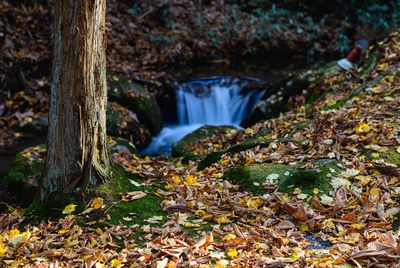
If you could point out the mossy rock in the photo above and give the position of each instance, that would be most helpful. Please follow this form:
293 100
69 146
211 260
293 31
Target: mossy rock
242 146
392 156
276 99
137 211
118 144
251 178
122 123
25 174
137 99
389 155
181 148
309 179
118 211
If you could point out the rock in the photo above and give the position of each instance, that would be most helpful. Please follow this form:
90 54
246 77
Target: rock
37 126
25 174
118 144
276 99
241 146
137 99
181 148
123 123
252 178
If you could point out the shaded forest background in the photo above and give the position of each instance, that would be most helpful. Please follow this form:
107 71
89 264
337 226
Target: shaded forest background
146 36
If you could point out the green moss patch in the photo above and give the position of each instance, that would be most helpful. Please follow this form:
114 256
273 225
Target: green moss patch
132 212
392 156
25 174
251 178
309 179
182 148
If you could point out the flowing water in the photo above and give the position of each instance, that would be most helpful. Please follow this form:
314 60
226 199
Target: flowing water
207 101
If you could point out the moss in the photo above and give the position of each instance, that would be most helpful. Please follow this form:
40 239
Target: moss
137 99
246 144
210 159
251 178
197 231
21 168
52 209
123 144
111 191
307 180
138 210
392 156
24 177
179 148
396 222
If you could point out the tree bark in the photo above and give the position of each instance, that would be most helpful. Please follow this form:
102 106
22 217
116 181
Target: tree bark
76 148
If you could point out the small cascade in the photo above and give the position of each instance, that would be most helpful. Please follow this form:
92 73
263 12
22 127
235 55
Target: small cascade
211 101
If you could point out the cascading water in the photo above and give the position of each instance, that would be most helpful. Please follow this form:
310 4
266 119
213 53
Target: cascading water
207 101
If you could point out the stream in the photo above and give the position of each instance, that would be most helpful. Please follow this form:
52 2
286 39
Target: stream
213 101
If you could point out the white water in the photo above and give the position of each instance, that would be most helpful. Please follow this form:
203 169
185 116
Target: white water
214 101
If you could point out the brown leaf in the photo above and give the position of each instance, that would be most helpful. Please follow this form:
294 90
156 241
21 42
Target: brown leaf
133 196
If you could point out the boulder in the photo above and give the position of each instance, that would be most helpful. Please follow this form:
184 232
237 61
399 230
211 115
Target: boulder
252 178
122 122
183 148
118 144
137 99
25 174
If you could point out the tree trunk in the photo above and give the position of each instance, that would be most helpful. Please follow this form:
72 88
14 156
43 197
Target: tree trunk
76 149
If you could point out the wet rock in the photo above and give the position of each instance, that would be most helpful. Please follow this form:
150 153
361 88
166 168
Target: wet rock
182 147
25 174
122 122
37 126
276 99
118 144
137 99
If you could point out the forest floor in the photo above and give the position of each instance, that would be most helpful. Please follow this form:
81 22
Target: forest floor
321 188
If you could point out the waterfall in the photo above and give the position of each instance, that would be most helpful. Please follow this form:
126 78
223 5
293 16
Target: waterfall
211 101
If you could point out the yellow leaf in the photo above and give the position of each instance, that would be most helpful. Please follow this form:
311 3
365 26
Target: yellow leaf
3 250
358 226
14 232
249 131
69 209
232 253
171 264
116 263
250 160
93 243
375 191
375 155
190 180
315 190
228 237
97 203
362 128
63 231
222 219
303 227
176 180
254 202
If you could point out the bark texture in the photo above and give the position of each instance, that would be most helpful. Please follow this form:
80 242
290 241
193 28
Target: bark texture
76 148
